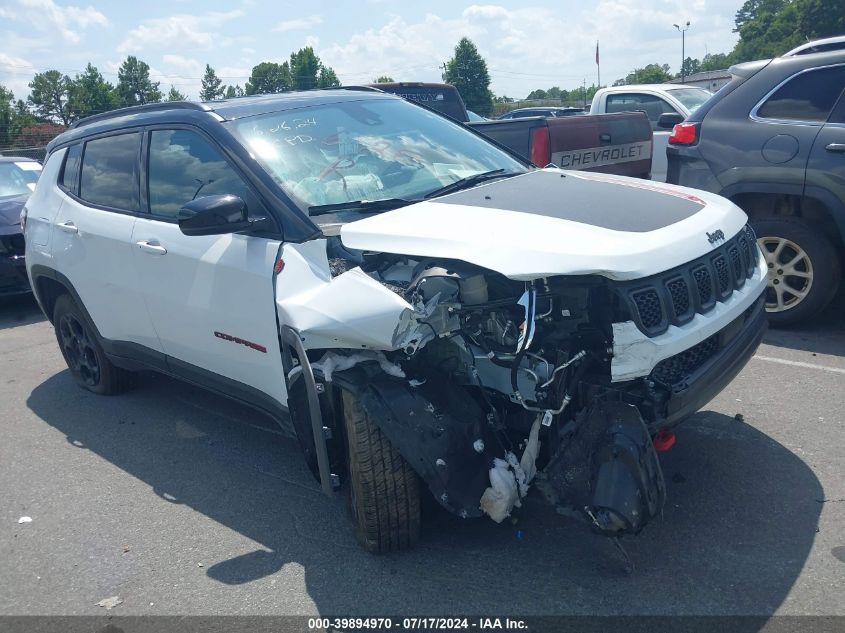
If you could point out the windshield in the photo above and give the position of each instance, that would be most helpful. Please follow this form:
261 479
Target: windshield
371 150
18 178
691 98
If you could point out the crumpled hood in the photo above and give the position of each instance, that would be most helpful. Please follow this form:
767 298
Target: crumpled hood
10 214
551 222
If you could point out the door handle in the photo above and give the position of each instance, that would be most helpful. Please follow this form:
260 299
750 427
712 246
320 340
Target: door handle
151 247
835 147
67 227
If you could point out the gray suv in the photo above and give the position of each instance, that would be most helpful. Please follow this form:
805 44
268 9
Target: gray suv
773 142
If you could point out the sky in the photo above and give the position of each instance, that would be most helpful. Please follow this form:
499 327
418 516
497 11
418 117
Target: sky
527 45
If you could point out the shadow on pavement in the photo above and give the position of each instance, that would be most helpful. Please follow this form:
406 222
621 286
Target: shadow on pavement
739 522
823 334
19 310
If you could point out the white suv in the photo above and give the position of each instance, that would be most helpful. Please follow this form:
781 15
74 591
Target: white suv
413 303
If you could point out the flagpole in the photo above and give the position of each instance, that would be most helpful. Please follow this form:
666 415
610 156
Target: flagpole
598 63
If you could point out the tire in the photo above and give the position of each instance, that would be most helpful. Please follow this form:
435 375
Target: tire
84 355
794 245
383 489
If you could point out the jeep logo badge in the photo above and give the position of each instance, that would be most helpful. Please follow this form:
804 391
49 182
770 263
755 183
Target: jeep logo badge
716 236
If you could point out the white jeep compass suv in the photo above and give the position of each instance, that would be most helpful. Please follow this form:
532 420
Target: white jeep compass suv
420 308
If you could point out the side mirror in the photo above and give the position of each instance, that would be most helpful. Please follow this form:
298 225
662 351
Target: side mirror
668 120
214 215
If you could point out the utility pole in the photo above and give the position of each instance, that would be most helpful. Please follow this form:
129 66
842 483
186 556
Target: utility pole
683 54
584 87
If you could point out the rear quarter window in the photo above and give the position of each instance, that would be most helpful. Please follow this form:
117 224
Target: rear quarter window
809 96
70 172
110 175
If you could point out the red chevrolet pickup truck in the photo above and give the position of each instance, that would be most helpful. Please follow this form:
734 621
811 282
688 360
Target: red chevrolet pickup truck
619 143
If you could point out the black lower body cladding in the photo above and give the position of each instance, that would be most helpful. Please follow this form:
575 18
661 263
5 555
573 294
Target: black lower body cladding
608 470
441 432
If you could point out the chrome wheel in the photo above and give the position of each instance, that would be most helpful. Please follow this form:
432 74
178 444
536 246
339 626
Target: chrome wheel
790 273
79 350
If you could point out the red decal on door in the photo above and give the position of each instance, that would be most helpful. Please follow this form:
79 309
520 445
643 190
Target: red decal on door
241 341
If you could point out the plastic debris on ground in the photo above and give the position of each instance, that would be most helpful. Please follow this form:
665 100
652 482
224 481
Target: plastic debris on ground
25 520
110 603
332 362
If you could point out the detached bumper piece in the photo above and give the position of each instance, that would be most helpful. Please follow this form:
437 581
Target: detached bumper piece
608 471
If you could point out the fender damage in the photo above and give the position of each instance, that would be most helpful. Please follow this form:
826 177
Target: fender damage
488 383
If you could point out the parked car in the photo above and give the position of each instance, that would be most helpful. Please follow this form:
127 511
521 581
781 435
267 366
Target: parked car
17 181
664 104
521 113
615 144
419 307
611 143
773 142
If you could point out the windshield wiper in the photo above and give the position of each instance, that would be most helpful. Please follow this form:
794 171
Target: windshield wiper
360 205
469 181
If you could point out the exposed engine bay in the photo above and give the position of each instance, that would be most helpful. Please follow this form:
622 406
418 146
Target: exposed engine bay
490 385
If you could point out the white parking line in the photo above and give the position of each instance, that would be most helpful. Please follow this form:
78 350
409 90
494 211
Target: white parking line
796 363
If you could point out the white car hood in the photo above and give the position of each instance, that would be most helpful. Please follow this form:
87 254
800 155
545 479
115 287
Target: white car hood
552 222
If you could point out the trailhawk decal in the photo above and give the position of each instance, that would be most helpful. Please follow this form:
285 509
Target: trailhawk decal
601 156
241 341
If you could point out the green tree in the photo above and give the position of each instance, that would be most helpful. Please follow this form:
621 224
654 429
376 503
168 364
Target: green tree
7 114
766 28
327 78
821 18
269 77
384 79
90 94
134 85
22 118
715 61
650 74
304 66
690 67
467 71
175 95
536 95
50 95
212 87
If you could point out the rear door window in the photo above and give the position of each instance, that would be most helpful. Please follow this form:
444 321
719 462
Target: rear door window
809 96
110 172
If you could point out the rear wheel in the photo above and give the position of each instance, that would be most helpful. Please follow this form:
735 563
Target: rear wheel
84 355
384 490
803 270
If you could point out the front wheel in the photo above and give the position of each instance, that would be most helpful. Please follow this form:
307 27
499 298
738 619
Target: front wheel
84 355
383 489
803 269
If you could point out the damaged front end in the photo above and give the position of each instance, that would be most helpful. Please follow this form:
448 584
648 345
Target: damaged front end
486 384
483 384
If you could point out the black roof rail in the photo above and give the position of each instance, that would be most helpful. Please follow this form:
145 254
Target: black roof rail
361 88
147 107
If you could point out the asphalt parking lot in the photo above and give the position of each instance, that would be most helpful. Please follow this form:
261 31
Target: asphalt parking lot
181 502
